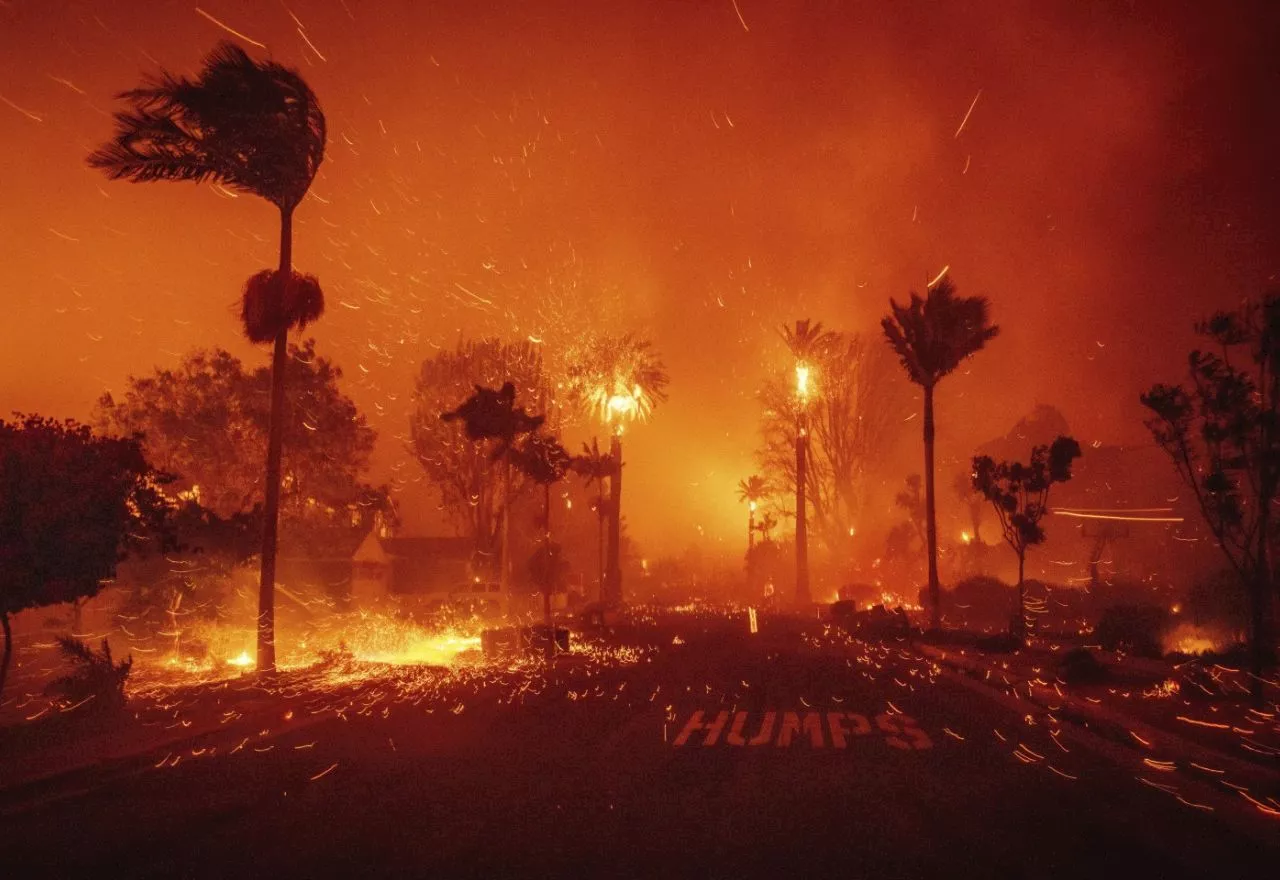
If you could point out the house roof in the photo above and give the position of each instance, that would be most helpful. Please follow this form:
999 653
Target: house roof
427 547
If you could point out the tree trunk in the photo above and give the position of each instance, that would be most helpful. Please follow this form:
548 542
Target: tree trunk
600 542
1262 650
8 651
547 574
613 575
275 444
504 567
803 596
1018 625
930 514
751 546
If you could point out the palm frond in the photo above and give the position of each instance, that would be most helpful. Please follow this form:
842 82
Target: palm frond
254 127
934 334
266 310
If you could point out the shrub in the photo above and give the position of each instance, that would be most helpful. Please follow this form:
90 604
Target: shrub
980 600
95 674
1081 666
1136 629
1220 599
1000 643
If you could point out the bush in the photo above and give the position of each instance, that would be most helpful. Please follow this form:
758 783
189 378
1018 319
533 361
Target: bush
95 676
1000 643
843 610
1220 599
877 623
980 600
1135 629
1081 666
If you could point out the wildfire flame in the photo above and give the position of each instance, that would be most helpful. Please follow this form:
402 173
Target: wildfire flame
802 381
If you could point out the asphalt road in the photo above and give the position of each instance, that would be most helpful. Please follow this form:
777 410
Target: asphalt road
875 765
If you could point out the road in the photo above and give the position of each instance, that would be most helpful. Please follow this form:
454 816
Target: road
876 764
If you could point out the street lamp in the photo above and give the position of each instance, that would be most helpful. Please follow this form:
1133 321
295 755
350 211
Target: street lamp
802 447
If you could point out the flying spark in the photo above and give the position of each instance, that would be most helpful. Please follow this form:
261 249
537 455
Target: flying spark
231 30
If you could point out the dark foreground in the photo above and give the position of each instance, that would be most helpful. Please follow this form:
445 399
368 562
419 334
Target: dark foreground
578 774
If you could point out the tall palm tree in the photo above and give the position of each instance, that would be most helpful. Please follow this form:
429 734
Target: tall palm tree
807 342
932 336
751 491
255 127
595 467
616 378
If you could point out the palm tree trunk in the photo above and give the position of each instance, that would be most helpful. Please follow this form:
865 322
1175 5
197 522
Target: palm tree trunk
613 574
803 596
930 514
547 573
504 578
751 546
8 650
600 512
275 445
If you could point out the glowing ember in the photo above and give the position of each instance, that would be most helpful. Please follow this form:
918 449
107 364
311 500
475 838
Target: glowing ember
242 659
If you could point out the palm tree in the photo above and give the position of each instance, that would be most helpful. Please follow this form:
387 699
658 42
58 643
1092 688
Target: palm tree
596 466
616 378
932 336
752 491
255 127
806 342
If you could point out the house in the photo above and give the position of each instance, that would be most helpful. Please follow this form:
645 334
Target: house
420 566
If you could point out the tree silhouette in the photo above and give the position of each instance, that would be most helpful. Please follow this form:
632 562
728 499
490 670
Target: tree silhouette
1020 495
206 420
255 127
751 492
912 504
542 459
492 416
972 500
72 506
595 467
1224 438
933 335
854 417
472 485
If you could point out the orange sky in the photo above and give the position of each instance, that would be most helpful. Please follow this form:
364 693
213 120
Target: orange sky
517 168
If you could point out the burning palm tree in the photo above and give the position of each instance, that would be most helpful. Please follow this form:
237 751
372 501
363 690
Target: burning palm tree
617 379
807 342
933 335
258 128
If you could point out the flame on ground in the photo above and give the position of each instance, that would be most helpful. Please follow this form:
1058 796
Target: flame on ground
1188 638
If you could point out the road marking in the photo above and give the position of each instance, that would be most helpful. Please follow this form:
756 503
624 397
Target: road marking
900 731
